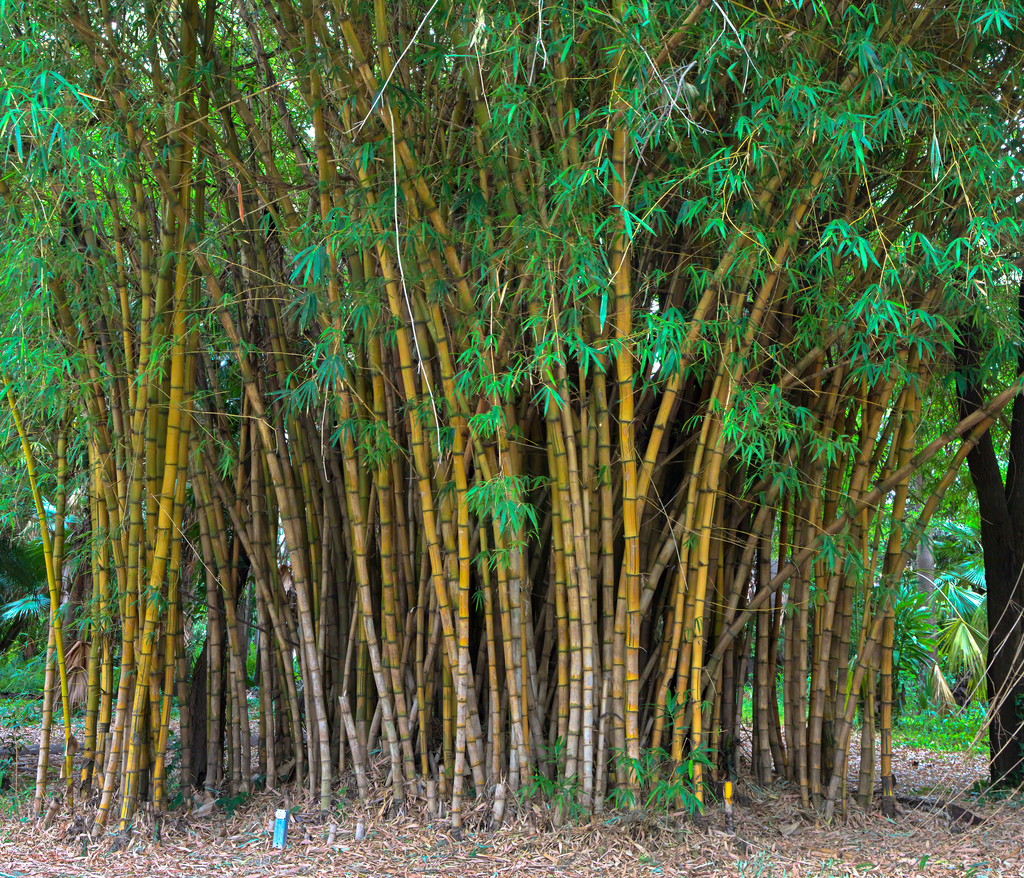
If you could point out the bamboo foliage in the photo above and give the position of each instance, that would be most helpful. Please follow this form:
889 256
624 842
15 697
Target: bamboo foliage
500 379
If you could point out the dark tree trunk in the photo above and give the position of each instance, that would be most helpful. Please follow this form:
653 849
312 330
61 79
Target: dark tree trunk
1001 508
198 715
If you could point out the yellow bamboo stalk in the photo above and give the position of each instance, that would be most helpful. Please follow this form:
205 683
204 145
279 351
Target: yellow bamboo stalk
177 423
174 625
51 579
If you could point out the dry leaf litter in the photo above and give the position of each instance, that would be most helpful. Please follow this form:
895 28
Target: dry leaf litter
774 836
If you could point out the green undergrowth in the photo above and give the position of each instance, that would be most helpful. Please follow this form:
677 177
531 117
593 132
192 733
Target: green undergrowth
958 731
21 676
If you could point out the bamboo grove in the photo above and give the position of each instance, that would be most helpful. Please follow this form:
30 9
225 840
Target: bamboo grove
518 377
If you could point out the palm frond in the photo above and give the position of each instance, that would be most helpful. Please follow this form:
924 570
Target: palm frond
939 690
963 647
26 607
22 566
951 598
958 532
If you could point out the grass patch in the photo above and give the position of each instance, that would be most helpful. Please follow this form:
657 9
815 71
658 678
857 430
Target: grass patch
954 733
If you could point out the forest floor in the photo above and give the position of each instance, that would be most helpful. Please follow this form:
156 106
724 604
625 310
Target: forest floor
774 836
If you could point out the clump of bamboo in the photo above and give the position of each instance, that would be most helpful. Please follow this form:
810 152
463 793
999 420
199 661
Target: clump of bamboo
503 440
